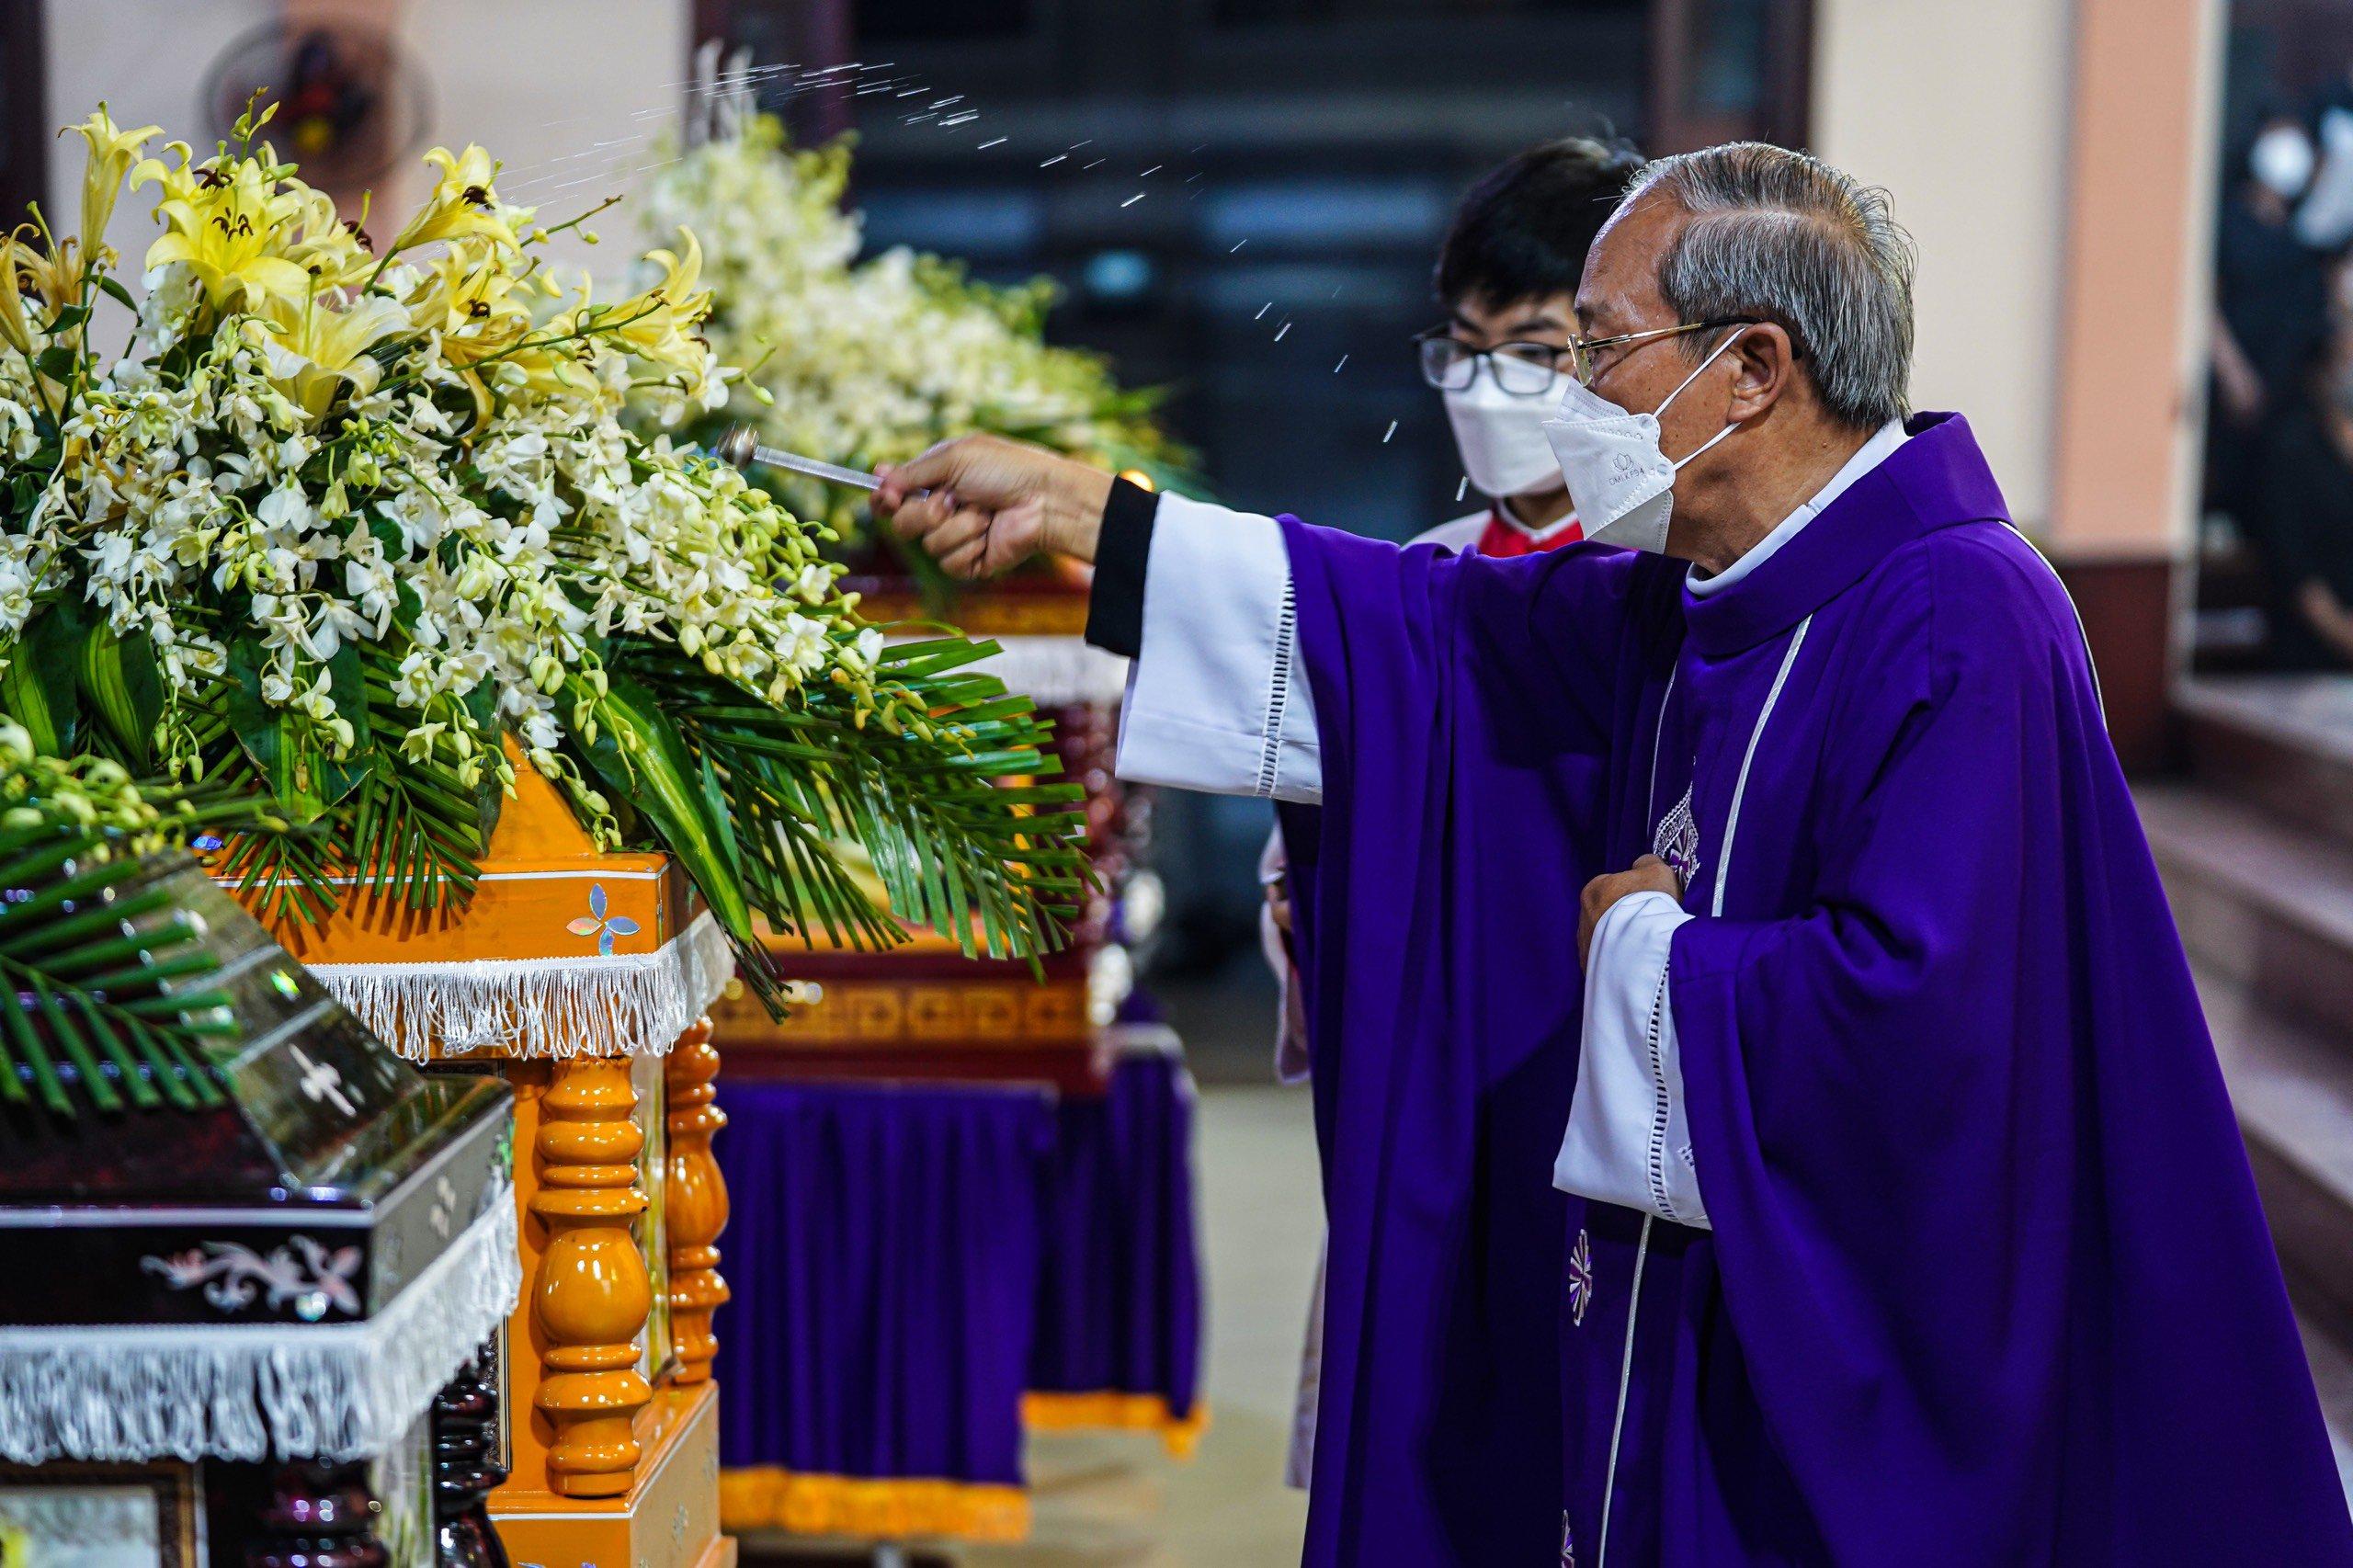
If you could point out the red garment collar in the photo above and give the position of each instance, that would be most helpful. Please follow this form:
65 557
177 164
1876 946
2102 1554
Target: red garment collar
1504 537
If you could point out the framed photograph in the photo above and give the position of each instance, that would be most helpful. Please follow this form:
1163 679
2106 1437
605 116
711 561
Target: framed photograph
101 1515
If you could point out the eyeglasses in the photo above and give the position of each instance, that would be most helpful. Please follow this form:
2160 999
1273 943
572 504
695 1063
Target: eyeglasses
1584 352
1521 369
1526 370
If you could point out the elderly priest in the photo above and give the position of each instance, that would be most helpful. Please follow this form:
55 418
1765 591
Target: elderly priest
1908 1220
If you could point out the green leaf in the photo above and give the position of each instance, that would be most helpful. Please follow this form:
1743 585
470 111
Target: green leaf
715 805
125 689
347 684
266 737
76 1047
39 690
995 868
90 1025
114 290
34 1056
57 362
641 758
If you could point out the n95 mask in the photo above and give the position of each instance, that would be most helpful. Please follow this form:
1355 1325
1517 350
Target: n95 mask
1620 482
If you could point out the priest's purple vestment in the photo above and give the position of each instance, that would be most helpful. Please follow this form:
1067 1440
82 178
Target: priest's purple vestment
1988 1281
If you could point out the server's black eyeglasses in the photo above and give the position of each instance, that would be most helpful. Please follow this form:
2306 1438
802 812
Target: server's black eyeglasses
1522 369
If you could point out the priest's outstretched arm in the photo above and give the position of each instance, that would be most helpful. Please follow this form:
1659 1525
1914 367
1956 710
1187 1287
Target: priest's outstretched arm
1207 601
1199 597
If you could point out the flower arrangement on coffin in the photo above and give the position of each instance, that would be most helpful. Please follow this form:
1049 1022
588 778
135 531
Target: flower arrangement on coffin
353 529
871 362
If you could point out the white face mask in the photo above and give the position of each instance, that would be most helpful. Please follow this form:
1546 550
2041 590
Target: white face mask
2282 161
1505 450
1621 484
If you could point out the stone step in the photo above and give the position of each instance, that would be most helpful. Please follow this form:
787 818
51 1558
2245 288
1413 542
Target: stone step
2281 743
2292 1091
2260 901
2333 1377
2291 1087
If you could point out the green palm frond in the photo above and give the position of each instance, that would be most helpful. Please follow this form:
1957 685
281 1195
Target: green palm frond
95 958
959 814
404 822
281 873
417 835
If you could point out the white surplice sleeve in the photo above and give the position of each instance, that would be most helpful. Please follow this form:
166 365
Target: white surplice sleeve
1628 1140
1217 698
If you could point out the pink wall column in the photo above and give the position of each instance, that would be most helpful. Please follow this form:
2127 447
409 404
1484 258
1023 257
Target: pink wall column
2134 284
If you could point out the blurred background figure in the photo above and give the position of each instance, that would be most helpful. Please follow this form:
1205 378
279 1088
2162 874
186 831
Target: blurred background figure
2270 317
2276 548
2302 476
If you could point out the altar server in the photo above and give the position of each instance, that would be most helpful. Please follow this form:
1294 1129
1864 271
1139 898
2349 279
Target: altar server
1909 1223
1506 277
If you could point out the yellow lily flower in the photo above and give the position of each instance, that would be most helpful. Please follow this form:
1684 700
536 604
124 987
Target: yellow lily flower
14 327
464 203
660 325
313 350
559 357
180 184
113 152
231 231
327 248
51 276
470 299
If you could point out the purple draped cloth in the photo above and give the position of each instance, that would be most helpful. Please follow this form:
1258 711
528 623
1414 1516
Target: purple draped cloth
1120 1288
1987 1280
883 1250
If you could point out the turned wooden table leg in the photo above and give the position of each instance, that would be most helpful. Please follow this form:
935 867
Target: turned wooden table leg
695 1201
465 1433
592 1295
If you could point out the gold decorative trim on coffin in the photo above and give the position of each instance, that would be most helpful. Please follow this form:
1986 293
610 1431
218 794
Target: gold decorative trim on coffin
562 950
768 1497
1040 609
865 1012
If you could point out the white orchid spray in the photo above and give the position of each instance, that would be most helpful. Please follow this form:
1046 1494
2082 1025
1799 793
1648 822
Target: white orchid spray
341 524
871 362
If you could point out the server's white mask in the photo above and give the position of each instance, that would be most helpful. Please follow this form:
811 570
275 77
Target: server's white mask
1620 482
1501 437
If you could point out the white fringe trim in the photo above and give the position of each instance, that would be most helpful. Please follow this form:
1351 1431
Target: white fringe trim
337 1391
1059 672
627 1005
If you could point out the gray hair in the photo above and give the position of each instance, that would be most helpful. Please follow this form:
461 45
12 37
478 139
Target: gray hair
1784 237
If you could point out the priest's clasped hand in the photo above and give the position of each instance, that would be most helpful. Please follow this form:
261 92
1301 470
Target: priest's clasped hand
993 503
1649 874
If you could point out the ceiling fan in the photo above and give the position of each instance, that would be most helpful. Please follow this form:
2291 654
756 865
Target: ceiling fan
352 100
